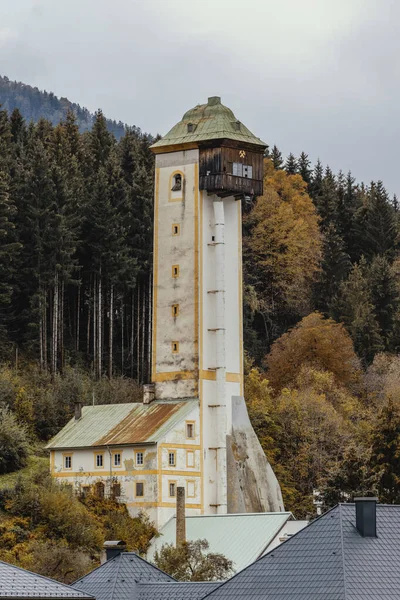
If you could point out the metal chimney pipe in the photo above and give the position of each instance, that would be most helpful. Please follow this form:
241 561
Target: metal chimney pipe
180 516
78 410
366 516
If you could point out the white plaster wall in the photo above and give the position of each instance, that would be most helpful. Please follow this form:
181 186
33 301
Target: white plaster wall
175 250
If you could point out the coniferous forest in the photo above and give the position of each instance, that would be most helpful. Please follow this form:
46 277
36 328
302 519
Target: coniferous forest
321 315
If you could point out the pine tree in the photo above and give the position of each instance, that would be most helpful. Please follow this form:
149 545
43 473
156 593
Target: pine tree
384 296
386 453
276 157
291 166
316 180
356 310
376 224
304 168
335 268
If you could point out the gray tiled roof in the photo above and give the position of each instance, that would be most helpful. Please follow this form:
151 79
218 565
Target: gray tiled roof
175 590
117 578
329 559
19 583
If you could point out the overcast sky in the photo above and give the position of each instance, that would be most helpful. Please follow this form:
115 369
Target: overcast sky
321 76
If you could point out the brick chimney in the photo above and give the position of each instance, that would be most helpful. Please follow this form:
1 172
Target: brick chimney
148 393
78 410
111 549
366 516
180 516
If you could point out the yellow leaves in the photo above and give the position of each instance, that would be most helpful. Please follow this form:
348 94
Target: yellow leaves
316 341
284 245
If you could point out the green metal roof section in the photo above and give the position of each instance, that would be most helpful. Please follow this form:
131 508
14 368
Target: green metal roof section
240 537
122 424
211 121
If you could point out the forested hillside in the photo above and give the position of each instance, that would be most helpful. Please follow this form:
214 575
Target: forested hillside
35 104
321 307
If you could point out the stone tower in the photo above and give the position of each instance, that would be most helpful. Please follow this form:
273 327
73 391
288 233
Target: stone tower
204 166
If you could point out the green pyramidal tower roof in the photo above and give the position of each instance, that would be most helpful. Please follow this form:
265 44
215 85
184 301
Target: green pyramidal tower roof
211 121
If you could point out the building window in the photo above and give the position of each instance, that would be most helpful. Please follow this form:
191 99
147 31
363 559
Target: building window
68 461
191 127
99 460
176 183
189 458
242 170
175 271
175 347
139 458
176 229
191 489
189 430
117 459
99 489
236 125
172 459
116 490
139 489
172 489
85 490
175 310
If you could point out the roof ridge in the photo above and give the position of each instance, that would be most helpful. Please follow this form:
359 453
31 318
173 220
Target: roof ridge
342 549
58 583
150 564
276 549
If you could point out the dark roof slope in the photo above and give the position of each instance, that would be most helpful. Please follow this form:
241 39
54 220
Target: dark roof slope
175 590
19 583
329 559
116 579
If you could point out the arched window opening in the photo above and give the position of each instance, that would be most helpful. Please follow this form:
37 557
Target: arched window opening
99 488
177 182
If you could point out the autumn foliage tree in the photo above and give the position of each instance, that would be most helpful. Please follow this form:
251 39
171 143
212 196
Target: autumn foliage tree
317 341
190 561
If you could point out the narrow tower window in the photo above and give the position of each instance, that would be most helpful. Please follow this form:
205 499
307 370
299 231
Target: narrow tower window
175 271
175 310
190 430
177 182
172 489
175 347
176 229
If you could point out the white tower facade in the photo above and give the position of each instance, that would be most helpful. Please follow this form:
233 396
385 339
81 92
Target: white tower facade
204 167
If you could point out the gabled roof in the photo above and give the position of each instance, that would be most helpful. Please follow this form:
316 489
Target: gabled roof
117 578
329 559
121 424
211 121
175 590
240 537
19 583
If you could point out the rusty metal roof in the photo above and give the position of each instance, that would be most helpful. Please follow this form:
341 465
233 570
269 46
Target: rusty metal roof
122 424
211 121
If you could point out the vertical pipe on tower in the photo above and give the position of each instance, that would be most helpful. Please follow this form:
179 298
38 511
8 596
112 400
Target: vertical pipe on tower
219 232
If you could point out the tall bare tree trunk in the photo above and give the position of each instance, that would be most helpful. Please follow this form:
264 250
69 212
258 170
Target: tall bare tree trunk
138 336
110 334
78 318
99 327
122 334
143 361
41 330
54 340
95 333
61 326
44 300
149 332
132 330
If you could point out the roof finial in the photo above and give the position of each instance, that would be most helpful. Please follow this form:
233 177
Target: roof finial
213 100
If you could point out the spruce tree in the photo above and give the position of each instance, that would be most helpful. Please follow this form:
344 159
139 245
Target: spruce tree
304 168
335 268
291 166
276 157
385 297
356 310
385 457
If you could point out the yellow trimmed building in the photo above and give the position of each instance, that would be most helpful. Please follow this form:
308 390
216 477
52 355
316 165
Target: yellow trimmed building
205 166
